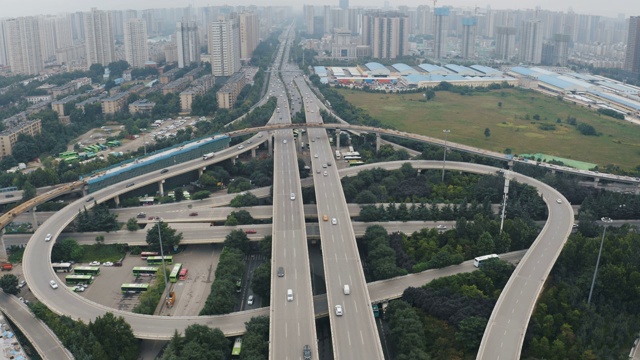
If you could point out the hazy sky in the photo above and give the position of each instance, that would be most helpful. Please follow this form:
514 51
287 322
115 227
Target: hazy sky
609 8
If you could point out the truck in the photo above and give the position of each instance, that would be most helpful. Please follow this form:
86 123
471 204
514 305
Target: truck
7 267
208 156
171 299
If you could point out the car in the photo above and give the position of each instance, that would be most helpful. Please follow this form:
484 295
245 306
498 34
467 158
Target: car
260 136
141 215
53 284
130 185
250 300
22 284
94 263
248 141
250 231
108 263
293 196
315 155
441 227
289 295
324 166
317 171
164 171
150 218
90 199
21 299
328 164
559 201
117 264
193 214
78 288
240 147
334 221
306 352
284 141
325 217
326 173
48 237
313 140
280 271
339 310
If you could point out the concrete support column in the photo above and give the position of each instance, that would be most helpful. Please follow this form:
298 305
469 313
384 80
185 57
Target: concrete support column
638 190
85 190
596 181
270 145
201 170
253 153
117 200
34 222
161 187
378 138
233 160
338 139
3 250
510 164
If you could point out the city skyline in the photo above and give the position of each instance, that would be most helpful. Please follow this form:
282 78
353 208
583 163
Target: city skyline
40 7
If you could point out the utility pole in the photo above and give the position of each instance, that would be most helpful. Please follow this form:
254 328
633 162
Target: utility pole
505 196
444 160
606 221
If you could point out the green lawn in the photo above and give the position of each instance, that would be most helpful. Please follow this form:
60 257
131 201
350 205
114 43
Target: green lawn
468 116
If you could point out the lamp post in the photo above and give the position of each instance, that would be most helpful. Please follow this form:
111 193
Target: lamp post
444 160
164 266
605 220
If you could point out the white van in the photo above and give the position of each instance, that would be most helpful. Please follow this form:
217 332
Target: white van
346 290
289 295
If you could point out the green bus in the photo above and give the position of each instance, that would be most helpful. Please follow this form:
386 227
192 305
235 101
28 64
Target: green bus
67 154
86 270
157 260
237 347
173 276
78 279
134 288
145 270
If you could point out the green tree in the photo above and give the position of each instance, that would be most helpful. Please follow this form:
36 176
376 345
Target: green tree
470 332
237 239
29 191
116 337
9 284
132 224
261 281
245 200
170 239
487 132
199 195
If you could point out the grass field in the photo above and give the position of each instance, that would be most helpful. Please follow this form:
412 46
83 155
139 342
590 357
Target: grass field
511 125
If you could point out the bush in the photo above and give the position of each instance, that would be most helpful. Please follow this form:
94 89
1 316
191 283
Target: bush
586 129
149 300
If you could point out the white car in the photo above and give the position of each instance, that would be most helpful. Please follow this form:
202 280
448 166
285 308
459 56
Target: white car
315 155
250 300
284 141
240 147
324 166
94 263
78 288
293 196
339 310
108 263
441 227
559 201
53 284
48 237
334 221
325 173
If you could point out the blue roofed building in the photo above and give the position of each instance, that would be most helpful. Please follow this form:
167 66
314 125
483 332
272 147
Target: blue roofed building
487 71
462 70
376 69
434 69
404 69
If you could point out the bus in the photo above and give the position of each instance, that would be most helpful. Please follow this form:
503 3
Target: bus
183 274
157 260
62 267
87 270
78 279
72 159
8 189
173 276
337 154
144 271
134 288
67 154
145 254
477 262
208 156
237 347
355 163
351 157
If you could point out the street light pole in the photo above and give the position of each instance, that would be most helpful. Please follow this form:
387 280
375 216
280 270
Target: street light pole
444 160
164 266
606 220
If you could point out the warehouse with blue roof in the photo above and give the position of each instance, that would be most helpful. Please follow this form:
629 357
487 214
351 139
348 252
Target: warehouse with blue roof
434 69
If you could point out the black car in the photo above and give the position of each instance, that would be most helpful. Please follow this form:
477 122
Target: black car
164 171
130 184
89 199
306 352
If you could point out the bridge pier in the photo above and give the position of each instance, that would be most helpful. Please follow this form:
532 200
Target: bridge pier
117 200
253 153
337 139
233 160
510 164
34 223
85 191
3 250
596 181
201 170
378 141
270 145
161 187
638 190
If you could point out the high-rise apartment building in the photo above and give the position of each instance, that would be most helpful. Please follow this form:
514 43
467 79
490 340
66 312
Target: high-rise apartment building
531 41
440 32
99 40
344 4
632 58
249 34
135 43
561 49
224 47
386 33
3 46
468 37
23 45
188 43
309 13
64 34
47 28
505 42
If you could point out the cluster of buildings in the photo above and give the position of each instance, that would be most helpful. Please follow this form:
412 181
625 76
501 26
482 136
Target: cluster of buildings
74 41
536 37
